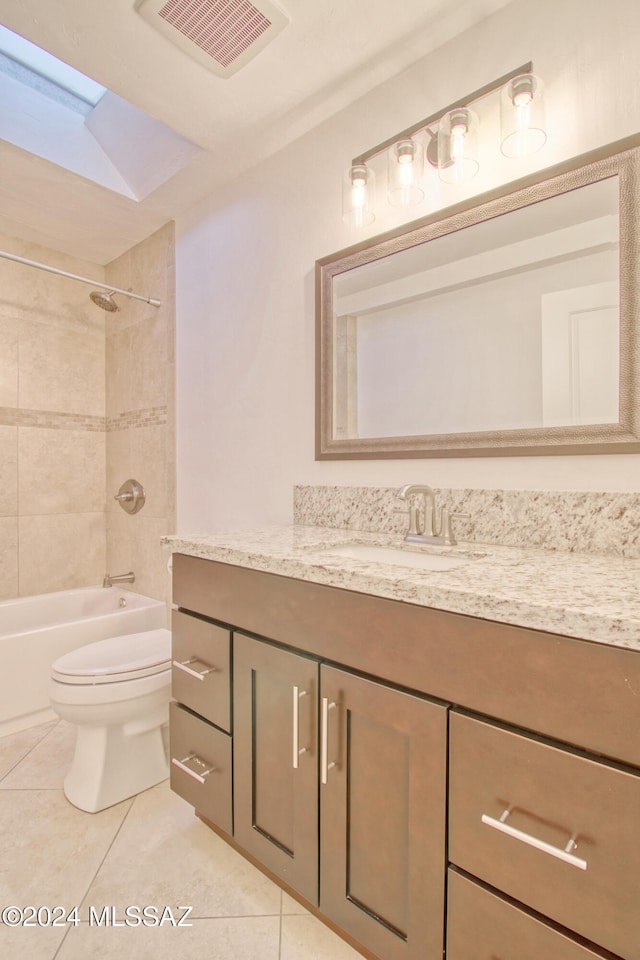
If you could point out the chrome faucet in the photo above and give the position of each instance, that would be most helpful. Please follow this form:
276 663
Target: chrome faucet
432 532
119 578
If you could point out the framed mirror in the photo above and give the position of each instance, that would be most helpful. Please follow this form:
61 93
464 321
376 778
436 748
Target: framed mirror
504 326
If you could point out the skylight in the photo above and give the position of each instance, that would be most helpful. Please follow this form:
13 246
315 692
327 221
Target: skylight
45 65
53 112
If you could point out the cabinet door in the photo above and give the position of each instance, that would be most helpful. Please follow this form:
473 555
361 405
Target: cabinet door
276 760
382 859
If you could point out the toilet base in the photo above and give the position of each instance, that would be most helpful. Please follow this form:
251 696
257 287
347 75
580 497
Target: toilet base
113 763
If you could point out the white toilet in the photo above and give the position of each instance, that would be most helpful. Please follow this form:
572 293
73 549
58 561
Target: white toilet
116 692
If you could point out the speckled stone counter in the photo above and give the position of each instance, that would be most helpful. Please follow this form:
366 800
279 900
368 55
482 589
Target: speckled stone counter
579 595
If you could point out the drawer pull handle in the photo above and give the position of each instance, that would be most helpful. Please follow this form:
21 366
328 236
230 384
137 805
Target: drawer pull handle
183 765
297 750
199 674
325 766
558 852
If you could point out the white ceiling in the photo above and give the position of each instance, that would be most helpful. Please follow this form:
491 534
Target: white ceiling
330 53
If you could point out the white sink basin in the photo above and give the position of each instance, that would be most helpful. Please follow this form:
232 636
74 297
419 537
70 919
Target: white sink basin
395 556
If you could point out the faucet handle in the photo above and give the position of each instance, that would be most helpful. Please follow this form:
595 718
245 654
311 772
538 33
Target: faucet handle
414 520
446 527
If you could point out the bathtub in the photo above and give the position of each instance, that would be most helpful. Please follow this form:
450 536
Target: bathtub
35 631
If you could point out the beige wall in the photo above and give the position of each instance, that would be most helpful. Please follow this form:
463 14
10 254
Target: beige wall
52 451
139 411
86 401
245 268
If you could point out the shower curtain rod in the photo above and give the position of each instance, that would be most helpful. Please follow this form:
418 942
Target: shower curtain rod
73 276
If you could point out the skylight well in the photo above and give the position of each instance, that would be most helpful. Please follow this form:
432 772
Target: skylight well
47 74
52 111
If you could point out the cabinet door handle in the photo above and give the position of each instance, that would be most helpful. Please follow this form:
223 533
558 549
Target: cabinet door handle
183 765
297 750
200 673
558 852
325 766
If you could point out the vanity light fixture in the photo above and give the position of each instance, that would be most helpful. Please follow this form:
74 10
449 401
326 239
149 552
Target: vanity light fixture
358 195
458 145
405 173
522 120
453 136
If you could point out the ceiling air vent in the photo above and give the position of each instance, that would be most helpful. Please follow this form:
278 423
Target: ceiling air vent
222 35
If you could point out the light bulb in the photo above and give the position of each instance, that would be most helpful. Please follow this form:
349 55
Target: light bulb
457 146
405 172
522 116
357 195
458 131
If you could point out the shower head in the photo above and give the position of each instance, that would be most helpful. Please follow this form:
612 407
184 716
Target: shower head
105 301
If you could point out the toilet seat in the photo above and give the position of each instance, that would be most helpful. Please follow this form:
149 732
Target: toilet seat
116 659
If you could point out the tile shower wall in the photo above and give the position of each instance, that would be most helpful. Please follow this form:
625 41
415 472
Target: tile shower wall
52 408
86 401
139 411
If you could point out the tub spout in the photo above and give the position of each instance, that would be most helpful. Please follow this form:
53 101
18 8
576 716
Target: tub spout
119 578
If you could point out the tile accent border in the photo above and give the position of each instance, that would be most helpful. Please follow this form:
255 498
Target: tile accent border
50 419
59 420
606 524
148 417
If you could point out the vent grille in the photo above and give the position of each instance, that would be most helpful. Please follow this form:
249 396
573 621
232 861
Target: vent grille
224 30
222 35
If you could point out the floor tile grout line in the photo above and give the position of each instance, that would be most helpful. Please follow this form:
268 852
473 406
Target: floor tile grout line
108 850
236 916
60 950
30 789
97 871
29 751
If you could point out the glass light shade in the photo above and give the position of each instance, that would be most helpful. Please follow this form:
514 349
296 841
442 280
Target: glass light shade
522 120
458 146
405 173
358 195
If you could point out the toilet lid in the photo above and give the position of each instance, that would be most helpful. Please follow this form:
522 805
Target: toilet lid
117 658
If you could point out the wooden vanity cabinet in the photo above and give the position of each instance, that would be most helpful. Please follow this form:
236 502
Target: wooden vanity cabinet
382 815
201 667
378 756
200 743
201 766
276 760
554 829
406 722
482 925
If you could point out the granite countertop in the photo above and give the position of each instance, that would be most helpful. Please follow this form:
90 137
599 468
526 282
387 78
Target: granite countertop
579 595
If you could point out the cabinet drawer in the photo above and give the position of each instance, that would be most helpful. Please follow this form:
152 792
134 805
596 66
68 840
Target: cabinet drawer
201 766
553 829
201 673
482 926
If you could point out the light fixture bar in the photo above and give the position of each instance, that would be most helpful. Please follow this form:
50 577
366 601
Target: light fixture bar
435 117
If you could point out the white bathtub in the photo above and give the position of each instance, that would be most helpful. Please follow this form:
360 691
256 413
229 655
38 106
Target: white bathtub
35 631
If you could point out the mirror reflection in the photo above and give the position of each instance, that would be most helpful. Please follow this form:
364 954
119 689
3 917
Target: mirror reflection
512 323
502 326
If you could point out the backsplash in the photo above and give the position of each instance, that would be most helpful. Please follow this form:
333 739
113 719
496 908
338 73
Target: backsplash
600 523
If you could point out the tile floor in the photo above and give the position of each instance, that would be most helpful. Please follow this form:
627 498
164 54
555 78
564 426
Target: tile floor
147 851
